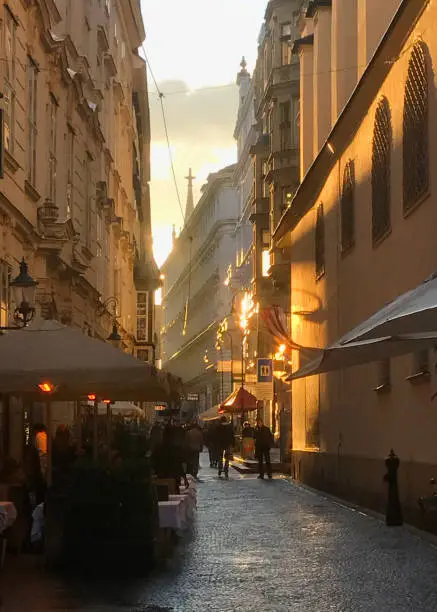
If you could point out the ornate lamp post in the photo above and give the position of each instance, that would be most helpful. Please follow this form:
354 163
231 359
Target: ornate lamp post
111 303
24 288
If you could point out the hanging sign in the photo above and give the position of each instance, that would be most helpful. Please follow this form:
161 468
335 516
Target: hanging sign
265 370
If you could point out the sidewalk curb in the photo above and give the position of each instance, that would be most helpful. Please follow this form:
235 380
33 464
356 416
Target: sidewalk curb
426 536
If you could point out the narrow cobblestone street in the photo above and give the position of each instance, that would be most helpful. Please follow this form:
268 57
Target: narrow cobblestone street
264 546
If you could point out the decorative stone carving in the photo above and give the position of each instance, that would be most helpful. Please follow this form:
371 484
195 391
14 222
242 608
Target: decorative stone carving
48 212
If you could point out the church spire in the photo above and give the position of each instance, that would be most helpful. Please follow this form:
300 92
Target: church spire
190 197
243 74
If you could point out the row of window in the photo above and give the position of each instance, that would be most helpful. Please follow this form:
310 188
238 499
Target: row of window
415 162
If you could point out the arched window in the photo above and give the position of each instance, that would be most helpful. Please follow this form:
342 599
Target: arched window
381 158
347 208
416 143
320 242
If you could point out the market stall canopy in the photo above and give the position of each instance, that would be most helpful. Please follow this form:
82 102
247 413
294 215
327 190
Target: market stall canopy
239 401
340 356
76 364
211 414
411 313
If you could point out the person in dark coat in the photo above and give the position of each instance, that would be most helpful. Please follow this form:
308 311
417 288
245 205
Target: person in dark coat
225 442
169 457
63 455
194 443
263 444
211 443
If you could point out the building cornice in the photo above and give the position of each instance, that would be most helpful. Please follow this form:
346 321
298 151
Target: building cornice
134 22
352 115
315 5
210 241
193 341
306 41
216 180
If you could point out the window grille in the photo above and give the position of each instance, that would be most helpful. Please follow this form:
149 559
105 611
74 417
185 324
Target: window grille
320 242
381 158
142 316
143 355
348 208
415 138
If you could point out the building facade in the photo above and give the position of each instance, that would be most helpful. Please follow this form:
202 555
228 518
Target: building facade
241 274
274 153
360 233
195 298
74 198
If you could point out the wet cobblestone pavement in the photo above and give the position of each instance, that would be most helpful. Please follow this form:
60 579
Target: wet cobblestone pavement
261 546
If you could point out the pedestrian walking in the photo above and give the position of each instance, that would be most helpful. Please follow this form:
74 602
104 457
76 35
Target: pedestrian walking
225 442
194 442
211 443
263 443
248 441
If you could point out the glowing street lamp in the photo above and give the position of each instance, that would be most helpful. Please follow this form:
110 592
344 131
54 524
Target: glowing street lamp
24 288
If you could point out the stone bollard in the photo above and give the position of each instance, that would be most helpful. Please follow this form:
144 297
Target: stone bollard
393 515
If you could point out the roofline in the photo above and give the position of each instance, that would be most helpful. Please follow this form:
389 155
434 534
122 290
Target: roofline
132 12
364 94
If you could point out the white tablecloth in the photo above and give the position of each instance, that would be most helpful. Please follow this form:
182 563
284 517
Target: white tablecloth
191 492
171 514
188 505
8 515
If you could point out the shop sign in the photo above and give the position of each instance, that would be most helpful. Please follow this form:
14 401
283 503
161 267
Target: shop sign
265 370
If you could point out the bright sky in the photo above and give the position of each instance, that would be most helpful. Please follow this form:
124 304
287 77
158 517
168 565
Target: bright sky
193 45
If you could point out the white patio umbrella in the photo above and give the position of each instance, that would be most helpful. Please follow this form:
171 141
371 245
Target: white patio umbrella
75 364
123 408
410 313
211 414
340 356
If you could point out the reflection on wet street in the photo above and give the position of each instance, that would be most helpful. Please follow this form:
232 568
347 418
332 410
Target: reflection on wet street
257 546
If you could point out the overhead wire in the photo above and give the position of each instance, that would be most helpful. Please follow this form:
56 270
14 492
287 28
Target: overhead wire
167 137
164 119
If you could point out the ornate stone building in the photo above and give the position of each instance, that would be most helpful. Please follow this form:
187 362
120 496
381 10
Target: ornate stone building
74 197
195 298
274 155
74 200
276 151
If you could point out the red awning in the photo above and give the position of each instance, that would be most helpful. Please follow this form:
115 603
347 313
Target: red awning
240 401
